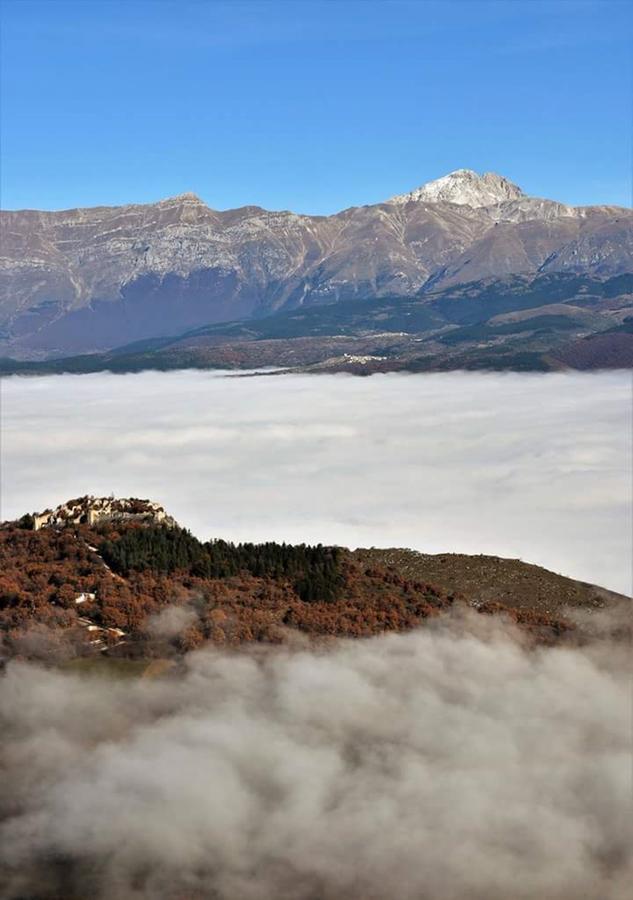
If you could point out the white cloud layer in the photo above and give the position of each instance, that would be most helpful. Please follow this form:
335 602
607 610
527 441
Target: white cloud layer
447 763
529 466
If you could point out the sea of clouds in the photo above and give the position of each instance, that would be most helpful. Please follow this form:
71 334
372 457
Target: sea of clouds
448 763
526 466
443 764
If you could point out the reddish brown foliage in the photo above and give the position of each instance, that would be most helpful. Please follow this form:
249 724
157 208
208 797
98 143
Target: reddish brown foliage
43 572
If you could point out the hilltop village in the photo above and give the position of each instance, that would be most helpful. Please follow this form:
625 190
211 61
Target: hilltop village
91 510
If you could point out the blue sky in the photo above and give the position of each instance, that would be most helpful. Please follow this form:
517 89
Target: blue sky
311 106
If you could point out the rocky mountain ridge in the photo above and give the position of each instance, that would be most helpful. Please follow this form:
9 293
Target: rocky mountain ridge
465 188
87 280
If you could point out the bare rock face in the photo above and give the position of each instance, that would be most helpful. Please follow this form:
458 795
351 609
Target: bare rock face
85 280
465 188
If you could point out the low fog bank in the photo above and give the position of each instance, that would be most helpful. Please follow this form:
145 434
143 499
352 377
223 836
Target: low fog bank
446 763
524 466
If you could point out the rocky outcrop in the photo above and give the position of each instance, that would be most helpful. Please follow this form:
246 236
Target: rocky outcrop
85 280
93 510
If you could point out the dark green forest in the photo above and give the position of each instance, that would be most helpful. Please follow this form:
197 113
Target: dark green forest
314 572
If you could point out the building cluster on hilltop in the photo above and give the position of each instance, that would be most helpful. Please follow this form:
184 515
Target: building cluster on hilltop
90 510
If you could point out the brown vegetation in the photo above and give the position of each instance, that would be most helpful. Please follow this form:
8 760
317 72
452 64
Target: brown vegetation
45 573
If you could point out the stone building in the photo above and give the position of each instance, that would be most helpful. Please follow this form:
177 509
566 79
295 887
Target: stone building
90 510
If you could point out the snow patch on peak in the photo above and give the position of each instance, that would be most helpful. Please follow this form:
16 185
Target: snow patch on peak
464 188
187 197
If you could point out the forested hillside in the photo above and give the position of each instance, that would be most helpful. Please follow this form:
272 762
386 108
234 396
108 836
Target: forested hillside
129 589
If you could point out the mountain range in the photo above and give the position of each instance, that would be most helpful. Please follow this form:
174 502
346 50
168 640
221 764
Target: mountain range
86 281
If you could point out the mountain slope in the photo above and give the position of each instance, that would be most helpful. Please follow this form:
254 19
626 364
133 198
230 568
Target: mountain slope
521 323
86 280
106 578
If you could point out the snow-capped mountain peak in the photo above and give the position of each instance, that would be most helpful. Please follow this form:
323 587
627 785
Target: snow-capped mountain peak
465 188
187 197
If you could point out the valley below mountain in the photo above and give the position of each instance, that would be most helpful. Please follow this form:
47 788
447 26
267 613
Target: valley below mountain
550 323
